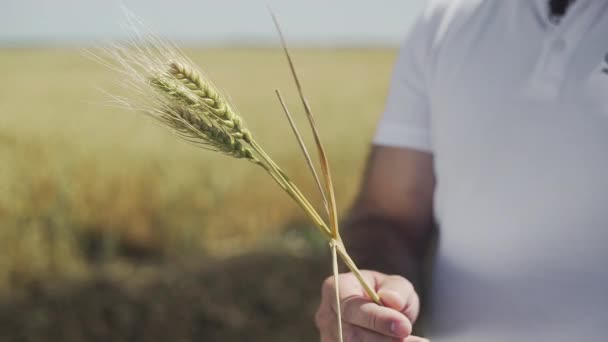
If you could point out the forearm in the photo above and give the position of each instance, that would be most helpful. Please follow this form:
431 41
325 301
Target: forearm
381 244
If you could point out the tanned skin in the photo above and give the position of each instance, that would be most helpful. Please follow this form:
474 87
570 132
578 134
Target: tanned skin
390 232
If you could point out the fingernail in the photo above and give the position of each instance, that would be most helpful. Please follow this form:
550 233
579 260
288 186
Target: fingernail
399 328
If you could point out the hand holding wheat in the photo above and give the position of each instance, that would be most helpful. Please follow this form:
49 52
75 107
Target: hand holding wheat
364 320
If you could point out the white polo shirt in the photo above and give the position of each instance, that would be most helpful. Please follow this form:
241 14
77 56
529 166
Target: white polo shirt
514 110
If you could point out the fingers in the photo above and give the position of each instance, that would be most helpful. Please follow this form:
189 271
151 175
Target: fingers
363 319
353 333
397 293
349 286
361 312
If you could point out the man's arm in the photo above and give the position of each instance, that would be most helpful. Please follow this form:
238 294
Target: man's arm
390 228
389 231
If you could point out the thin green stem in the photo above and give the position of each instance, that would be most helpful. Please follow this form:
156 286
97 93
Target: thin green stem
289 186
334 258
309 162
271 162
302 202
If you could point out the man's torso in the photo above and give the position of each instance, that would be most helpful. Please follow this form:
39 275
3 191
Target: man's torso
519 131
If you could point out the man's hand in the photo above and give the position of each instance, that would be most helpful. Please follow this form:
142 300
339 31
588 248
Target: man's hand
365 321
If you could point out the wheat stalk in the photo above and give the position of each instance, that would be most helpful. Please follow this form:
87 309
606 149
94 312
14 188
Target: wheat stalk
170 88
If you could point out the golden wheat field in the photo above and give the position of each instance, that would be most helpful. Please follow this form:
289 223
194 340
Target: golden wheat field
84 185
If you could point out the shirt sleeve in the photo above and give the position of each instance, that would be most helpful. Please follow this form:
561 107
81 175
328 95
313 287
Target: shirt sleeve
406 118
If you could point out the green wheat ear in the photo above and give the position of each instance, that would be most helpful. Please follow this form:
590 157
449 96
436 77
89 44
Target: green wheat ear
209 97
190 119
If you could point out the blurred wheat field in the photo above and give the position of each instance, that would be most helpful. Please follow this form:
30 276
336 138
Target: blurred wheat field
82 182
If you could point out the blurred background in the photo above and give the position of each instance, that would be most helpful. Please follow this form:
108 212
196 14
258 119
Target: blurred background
111 229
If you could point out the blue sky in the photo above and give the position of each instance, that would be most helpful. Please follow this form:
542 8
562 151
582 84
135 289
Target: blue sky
233 22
